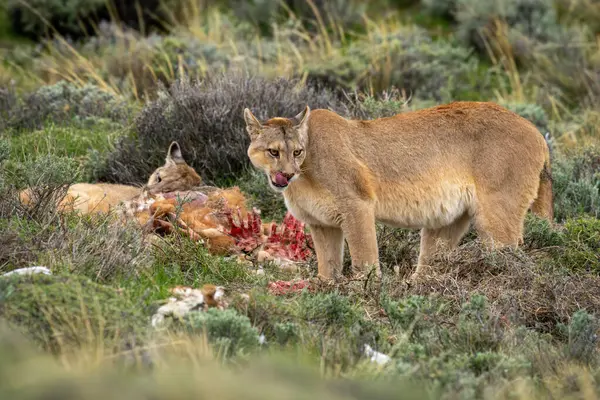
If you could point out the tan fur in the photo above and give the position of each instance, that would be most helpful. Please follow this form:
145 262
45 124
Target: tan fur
437 169
89 198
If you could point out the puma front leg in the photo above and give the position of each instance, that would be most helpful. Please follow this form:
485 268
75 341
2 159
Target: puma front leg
329 246
358 226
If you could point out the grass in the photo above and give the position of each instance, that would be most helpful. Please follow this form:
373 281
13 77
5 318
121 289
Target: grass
69 141
508 324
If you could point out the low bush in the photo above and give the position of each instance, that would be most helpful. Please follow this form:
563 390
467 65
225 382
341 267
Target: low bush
415 316
474 19
536 19
98 247
539 233
567 68
581 335
581 251
63 313
576 183
206 118
231 332
136 64
327 309
65 103
409 60
463 351
8 105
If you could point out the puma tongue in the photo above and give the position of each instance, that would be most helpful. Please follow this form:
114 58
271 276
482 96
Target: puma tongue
280 179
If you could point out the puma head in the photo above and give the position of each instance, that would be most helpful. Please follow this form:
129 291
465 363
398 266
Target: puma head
278 146
175 175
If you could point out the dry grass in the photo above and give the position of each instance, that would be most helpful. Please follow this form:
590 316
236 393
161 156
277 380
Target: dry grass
517 286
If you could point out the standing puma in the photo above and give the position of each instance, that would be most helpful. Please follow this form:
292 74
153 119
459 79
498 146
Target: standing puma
88 198
436 169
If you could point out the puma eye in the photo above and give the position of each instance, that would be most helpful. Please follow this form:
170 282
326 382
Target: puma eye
274 153
297 153
158 179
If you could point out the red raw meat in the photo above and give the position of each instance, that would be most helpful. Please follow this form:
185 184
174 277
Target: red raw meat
287 240
286 287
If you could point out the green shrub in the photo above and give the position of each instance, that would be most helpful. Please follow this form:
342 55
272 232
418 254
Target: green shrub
582 245
416 316
465 375
328 309
534 19
96 247
581 337
576 183
334 327
231 332
46 171
31 18
286 332
410 60
62 313
65 103
271 315
539 233
566 69
477 329
85 146
137 64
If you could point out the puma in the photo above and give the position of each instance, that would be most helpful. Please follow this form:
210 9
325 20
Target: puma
89 198
437 169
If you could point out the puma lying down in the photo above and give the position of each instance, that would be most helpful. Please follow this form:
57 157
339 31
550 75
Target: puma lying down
89 198
439 169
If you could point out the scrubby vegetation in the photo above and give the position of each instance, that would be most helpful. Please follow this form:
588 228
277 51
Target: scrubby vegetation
95 91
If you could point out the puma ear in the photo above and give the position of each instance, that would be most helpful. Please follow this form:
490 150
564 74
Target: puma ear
253 125
301 124
302 117
174 154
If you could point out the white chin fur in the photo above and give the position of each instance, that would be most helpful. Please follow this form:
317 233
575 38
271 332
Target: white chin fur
275 188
